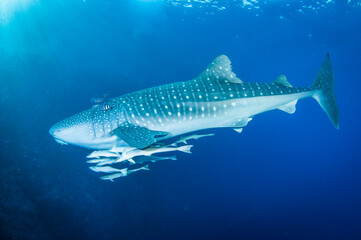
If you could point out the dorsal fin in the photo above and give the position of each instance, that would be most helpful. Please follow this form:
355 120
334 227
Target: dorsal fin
282 80
219 70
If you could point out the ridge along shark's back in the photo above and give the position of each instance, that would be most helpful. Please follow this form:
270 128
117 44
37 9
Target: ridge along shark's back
216 98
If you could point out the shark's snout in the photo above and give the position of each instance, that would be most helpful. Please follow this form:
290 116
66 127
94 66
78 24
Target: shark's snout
80 130
53 130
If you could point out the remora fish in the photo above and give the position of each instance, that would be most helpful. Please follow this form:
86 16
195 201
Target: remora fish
106 162
102 153
111 177
143 159
150 151
216 98
115 149
99 160
129 171
99 100
106 169
184 139
126 172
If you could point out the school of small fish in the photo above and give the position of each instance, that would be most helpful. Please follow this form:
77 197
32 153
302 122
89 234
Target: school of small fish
133 156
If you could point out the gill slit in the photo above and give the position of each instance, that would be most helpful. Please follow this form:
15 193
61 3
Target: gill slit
92 118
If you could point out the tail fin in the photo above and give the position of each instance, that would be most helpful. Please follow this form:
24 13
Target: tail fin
185 148
326 97
145 167
131 161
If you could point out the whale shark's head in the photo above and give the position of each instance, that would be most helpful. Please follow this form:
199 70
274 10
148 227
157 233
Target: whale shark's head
75 130
81 130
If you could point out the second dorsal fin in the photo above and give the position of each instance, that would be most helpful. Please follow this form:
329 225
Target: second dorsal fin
282 80
220 69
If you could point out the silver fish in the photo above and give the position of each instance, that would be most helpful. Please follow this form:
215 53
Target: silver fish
121 149
184 139
99 160
102 153
143 159
151 151
111 177
106 169
110 161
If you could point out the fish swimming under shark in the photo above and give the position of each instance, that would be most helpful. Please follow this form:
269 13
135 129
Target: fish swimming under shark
153 159
123 173
106 169
184 139
150 151
214 99
102 153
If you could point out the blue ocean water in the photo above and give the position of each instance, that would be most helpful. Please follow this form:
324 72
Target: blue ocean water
284 177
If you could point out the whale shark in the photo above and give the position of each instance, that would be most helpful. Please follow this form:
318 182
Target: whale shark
216 98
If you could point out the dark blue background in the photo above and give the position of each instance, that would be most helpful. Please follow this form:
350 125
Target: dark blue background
285 177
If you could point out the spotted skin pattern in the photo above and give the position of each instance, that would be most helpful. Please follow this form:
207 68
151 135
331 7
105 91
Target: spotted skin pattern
216 98
181 102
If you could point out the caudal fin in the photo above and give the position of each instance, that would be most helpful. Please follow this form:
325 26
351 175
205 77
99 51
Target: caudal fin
326 97
145 167
185 148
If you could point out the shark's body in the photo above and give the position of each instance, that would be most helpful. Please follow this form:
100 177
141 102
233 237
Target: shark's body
216 98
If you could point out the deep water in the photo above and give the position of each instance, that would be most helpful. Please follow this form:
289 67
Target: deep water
284 177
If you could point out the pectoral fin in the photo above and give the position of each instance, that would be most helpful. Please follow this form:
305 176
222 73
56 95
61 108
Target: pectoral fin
239 130
242 122
136 136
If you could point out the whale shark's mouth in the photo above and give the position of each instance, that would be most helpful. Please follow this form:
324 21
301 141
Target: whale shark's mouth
60 141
